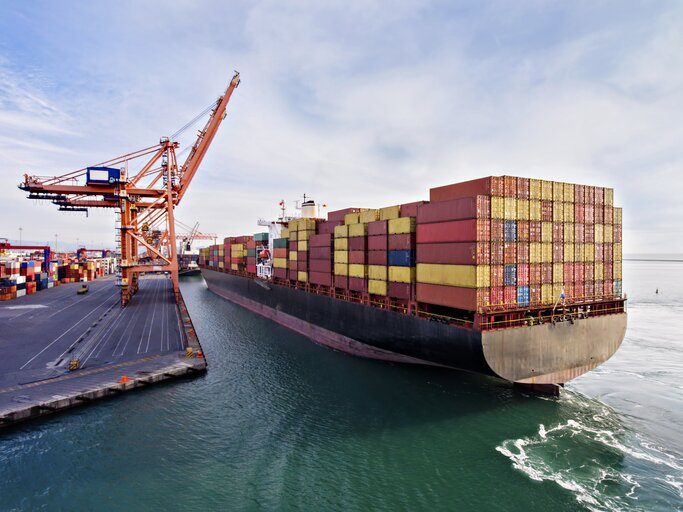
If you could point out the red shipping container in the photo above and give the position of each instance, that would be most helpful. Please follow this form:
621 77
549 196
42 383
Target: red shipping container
454 231
357 257
535 273
579 232
547 211
341 282
599 252
410 209
338 215
378 243
357 243
599 197
327 227
546 273
302 266
608 271
558 252
378 227
377 257
323 240
510 295
510 253
522 252
497 230
497 251
477 207
608 215
319 253
302 256
579 272
535 231
320 266
579 194
589 233
280 253
522 231
323 278
497 275
470 299
608 250
535 293
579 212
589 214
568 273
589 194
280 273
463 253
399 290
293 266
251 268
523 188
522 274
403 242
589 270
598 214
490 186
510 186
496 296
358 284
293 246
579 290
607 289
558 232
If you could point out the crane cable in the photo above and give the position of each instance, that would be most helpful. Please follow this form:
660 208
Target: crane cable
193 121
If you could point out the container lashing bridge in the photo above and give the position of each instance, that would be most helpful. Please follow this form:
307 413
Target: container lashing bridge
145 198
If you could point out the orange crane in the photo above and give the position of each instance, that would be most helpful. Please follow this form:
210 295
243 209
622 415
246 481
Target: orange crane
145 198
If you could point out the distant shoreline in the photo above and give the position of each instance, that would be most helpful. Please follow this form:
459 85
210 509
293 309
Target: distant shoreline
653 259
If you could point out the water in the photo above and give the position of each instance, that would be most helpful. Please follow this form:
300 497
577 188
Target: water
279 423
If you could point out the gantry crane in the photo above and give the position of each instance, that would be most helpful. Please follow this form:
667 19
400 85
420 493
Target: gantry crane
47 252
145 198
189 235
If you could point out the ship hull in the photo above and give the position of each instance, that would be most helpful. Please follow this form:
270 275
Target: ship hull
538 355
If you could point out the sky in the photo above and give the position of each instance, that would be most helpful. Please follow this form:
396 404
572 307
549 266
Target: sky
354 103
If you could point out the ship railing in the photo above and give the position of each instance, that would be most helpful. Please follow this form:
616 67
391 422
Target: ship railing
525 320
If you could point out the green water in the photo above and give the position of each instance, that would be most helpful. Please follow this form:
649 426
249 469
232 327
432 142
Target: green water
279 423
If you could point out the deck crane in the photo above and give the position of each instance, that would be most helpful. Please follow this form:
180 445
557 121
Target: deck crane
145 198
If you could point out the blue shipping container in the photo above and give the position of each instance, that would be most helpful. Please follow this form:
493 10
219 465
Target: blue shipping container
510 230
523 296
617 287
402 258
510 275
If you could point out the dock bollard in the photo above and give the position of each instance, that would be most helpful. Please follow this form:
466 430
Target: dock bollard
123 379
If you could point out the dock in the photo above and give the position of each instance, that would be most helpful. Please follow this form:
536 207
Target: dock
117 349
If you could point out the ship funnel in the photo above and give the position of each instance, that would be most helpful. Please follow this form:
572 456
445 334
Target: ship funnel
309 209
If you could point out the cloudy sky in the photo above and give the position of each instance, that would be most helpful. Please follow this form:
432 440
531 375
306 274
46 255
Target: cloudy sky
353 103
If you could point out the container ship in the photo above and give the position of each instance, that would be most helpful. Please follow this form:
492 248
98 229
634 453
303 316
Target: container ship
509 277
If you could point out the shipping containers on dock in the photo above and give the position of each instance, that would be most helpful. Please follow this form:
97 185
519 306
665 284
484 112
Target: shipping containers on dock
482 247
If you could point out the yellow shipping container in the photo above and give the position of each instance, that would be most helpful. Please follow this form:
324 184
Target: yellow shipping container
608 235
280 262
579 253
616 270
547 293
305 235
534 252
599 230
341 244
558 211
388 213
358 270
569 232
534 210
302 245
534 189
609 197
558 290
341 257
617 216
546 190
292 256
589 252
599 271
568 193
293 225
377 272
497 207
522 209
302 276
376 287
293 236
306 225
467 276
284 233
358 229
402 225
558 272
616 252
510 208
558 191
234 266
370 215
568 212
221 264
546 232
546 252
341 231
351 218
568 252
402 274
341 269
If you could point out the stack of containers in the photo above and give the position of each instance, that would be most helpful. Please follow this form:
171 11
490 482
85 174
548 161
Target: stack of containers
320 257
378 255
238 254
305 229
292 256
401 256
280 254
454 251
357 247
341 257
251 256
